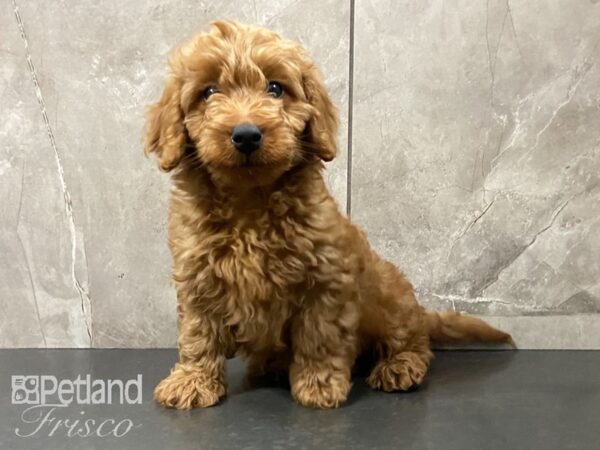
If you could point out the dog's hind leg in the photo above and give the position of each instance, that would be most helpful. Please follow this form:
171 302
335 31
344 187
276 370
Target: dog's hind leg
395 325
400 368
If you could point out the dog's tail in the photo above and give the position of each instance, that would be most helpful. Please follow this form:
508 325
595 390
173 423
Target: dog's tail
455 328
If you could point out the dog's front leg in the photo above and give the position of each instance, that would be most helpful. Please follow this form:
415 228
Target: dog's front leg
324 341
198 379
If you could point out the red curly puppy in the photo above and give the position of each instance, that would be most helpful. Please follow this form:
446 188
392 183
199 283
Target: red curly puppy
265 265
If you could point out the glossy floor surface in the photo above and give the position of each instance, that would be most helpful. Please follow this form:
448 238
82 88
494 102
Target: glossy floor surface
470 400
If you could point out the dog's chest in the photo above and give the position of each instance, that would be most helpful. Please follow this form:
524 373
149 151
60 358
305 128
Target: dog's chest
254 262
258 261
254 271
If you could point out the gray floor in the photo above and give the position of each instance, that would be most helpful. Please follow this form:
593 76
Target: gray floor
471 400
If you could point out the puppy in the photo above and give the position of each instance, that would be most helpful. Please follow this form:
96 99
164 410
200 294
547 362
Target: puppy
264 263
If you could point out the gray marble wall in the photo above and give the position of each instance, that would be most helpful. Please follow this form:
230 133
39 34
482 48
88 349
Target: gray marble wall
474 157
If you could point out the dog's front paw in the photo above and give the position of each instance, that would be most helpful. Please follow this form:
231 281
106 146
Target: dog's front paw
188 387
399 373
319 388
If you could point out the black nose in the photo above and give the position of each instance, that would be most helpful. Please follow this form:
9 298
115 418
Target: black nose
246 137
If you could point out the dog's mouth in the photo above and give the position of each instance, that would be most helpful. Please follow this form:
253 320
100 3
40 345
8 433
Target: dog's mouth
248 162
249 172
251 166
262 159
230 166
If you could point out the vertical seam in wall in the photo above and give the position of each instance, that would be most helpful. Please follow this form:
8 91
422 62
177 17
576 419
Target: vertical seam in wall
85 300
350 111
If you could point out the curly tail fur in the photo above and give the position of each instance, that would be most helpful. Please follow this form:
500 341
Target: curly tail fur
454 328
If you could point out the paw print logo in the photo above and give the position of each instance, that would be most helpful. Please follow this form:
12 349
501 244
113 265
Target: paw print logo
25 390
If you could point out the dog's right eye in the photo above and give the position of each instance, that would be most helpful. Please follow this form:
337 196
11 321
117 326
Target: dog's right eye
275 89
209 91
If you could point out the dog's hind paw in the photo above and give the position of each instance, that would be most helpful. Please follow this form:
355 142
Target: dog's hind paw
399 373
187 388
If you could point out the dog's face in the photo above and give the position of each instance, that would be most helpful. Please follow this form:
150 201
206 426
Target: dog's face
251 104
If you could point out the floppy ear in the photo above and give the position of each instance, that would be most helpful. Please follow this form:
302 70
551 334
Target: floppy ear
165 131
322 127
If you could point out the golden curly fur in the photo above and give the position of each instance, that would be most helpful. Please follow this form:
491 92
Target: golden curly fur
265 265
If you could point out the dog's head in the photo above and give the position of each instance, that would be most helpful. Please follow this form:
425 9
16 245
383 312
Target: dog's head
251 104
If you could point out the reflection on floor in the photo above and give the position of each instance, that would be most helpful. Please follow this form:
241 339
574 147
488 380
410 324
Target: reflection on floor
471 400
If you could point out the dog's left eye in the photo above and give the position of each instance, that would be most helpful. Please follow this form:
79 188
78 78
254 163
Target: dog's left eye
209 91
275 89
